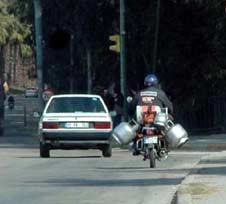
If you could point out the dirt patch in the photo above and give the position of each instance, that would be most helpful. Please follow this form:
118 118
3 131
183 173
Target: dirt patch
197 189
216 147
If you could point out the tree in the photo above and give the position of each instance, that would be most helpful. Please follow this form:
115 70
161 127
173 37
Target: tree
11 30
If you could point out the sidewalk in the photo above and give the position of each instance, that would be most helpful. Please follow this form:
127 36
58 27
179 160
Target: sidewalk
213 142
206 183
18 132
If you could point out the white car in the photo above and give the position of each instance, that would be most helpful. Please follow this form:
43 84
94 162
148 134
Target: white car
75 121
31 92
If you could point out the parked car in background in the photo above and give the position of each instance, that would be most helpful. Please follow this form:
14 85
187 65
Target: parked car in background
75 121
31 92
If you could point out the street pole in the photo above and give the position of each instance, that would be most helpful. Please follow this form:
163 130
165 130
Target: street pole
156 36
123 73
38 40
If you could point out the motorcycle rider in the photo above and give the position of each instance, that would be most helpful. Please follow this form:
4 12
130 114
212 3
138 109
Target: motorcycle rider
151 95
11 102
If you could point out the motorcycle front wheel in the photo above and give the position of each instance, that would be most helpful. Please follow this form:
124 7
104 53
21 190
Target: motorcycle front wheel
152 157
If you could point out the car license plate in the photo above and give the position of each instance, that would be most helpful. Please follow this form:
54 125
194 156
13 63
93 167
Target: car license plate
76 125
151 140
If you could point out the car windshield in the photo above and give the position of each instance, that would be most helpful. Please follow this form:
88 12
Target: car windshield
31 89
75 104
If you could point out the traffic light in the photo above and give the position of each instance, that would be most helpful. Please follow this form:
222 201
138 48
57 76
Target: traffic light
116 40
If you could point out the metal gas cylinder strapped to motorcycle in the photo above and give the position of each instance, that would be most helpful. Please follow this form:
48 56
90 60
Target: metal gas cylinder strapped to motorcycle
152 135
176 135
125 132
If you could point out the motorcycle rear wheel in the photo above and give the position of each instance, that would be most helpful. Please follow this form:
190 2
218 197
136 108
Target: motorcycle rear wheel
152 157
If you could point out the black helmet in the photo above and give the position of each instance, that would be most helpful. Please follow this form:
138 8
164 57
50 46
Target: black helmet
150 80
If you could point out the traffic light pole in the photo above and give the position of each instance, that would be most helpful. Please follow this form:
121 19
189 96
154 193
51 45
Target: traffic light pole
39 59
156 36
123 73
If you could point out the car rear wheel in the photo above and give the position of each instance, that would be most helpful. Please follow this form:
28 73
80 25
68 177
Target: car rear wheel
44 151
107 151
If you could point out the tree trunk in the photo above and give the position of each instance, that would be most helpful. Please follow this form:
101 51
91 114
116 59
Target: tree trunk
2 94
72 67
14 62
10 70
89 73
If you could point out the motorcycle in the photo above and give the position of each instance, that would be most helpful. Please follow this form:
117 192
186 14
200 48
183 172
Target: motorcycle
11 106
150 140
152 134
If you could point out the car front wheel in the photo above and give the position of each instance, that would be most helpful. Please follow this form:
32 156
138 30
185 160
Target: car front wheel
107 151
44 150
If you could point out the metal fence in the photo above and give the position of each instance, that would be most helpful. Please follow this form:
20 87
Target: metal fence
207 115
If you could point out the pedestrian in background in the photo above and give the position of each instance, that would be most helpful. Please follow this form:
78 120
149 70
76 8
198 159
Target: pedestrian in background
6 87
108 99
118 107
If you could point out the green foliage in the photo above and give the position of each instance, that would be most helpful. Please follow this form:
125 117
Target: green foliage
15 90
11 27
191 47
26 50
191 44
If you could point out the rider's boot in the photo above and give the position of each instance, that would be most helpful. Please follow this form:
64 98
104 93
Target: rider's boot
135 150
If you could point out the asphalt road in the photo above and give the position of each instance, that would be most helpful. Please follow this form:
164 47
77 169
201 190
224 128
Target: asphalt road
82 176
85 177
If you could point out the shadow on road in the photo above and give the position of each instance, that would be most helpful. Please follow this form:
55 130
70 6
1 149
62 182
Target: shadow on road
107 182
60 157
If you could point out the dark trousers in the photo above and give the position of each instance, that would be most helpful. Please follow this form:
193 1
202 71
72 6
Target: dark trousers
117 120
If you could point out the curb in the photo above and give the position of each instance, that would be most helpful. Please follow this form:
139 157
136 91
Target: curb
205 183
181 197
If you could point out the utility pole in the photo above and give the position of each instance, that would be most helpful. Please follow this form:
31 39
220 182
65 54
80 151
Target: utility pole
123 73
39 58
156 36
